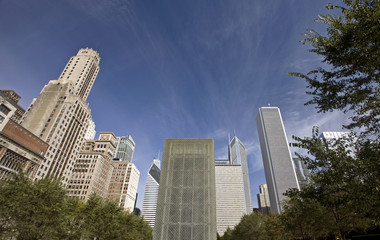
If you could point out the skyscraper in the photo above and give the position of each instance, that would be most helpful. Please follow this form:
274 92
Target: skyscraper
92 169
59 115
123 185
278 165
125 176
125 147
151 192
238 156
186 197
301 171
263 199
230 195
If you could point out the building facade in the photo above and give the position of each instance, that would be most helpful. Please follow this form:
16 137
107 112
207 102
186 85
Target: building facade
230 195
60 114
19 148
302 172
124 183
278 165
125 146
151 192
90 132
186 205
238 156
93 168
263 199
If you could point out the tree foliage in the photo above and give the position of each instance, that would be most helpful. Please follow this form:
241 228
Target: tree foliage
41 210
344 180
351 50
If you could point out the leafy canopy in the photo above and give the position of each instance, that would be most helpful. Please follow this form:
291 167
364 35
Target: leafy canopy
351 51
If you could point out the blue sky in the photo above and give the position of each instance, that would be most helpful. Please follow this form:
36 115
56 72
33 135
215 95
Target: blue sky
172 69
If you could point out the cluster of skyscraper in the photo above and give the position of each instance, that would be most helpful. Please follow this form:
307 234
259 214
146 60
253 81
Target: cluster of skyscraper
191 197
55 137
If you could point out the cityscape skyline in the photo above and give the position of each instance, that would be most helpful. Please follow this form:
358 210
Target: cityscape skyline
203 95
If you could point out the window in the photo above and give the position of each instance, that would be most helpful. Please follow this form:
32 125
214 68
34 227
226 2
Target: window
1 119
4 109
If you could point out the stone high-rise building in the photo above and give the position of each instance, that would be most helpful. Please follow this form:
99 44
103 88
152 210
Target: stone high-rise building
186 205
93 167
123 185
60 114
151 192
263 199
278 165
238 156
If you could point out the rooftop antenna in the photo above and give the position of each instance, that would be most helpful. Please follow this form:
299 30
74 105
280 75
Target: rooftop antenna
268 104
158 155
234 133
229 138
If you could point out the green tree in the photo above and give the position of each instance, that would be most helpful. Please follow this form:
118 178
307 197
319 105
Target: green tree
305 218
32 210
344 180
251 227
275 228
227 234
103 219
351 50
42 210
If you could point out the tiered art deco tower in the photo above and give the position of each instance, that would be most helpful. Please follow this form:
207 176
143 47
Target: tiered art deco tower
59 115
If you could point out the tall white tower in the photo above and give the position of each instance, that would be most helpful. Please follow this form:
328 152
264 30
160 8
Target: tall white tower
151 192
60 114
238 156
278 165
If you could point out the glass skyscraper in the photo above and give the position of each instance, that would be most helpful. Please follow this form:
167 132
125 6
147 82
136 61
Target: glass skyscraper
151 192
125 147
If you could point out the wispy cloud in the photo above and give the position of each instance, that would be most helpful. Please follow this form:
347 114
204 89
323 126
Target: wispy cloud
254 158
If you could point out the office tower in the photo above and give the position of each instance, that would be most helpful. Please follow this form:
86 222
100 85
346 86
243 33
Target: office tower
263 199
18 146
278 165
59 115
186 205
92 169
330 138
151 192
230 195
238 155
125 147
123 185
90 132
301 171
